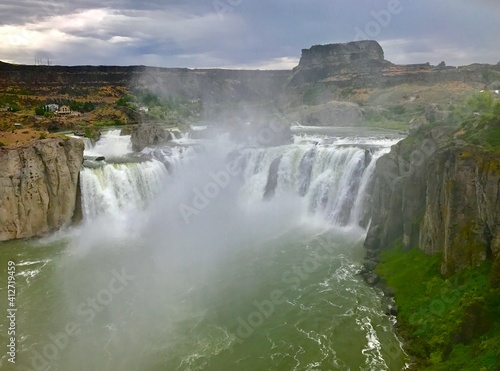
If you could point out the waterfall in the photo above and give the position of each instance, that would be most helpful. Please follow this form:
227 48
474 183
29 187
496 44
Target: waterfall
113 188
329 175
111 144
332 180
88 144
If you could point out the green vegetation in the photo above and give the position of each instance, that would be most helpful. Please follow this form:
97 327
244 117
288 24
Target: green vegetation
40 111
126 101
310 97
172 110
450 324
11 102
14 107
81 107
490 75
387 119
393 117
481 120
398 110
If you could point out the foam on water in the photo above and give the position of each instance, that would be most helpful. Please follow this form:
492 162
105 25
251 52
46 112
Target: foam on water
111 144
115 188
193 283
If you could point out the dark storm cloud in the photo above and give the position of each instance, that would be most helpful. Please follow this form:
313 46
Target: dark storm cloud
243 32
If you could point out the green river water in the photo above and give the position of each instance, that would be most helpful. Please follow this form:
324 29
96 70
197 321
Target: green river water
290 303
235 284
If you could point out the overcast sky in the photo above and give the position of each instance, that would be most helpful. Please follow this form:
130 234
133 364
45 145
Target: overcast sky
264 34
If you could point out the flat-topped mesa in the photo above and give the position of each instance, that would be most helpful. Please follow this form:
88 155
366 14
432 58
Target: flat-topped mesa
350 64
352 52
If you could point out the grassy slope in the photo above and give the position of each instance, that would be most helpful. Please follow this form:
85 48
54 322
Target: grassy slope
450 324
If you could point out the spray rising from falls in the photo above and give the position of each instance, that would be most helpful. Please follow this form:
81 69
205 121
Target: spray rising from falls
207 277
330 180
111 187
111 144
328 176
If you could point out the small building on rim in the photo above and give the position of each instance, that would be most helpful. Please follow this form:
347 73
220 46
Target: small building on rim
51 107
64 110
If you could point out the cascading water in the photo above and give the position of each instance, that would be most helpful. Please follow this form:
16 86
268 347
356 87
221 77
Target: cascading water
331 179
111 188
111 144
251 281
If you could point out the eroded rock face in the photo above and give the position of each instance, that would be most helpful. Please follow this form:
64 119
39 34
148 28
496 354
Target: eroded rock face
39 187
440 196
342 53
272 179
462 211
342 62
146 135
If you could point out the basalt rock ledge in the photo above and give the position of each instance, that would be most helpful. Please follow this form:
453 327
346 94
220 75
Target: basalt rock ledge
39 187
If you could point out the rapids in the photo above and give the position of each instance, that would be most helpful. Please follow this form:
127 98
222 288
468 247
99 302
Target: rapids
210 256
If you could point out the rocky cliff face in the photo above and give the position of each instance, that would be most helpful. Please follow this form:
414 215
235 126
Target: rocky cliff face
39 187
357 51
440 196
462 207
361 64
339 62
146 135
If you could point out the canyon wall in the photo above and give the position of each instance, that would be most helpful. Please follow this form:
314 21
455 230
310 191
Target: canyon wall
441 195
39 187
361 64
462 207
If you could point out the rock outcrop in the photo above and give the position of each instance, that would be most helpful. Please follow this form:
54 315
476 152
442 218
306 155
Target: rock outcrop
361 64
272 179
146 135
353 52
340 62
39 187
462 208
440 195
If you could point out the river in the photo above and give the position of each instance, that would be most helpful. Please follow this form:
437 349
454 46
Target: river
181 263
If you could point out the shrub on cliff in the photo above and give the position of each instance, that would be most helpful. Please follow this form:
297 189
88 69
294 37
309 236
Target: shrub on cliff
482 101
40 111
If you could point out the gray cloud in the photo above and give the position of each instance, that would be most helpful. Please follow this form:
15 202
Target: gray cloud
248 33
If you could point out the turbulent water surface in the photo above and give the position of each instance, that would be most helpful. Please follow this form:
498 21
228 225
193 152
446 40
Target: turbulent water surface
209 256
